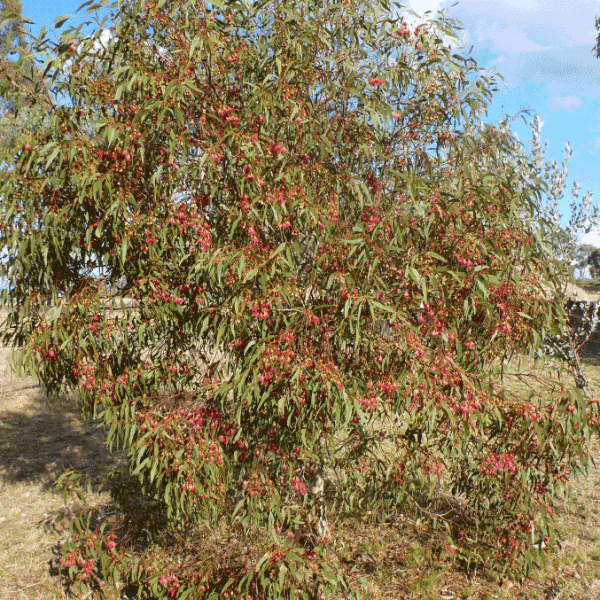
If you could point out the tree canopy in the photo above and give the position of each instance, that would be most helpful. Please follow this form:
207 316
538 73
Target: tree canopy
12 35
275 248
18 72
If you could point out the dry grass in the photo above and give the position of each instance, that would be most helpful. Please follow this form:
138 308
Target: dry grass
589 292
25 500
39 441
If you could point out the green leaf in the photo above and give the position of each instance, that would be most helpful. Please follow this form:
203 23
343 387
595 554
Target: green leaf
60 21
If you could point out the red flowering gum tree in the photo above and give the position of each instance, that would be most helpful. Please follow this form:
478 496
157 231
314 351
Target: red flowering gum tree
273 249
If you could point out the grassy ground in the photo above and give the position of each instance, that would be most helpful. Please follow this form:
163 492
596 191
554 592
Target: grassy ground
39 441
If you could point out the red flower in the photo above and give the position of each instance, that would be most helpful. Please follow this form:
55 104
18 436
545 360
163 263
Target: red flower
278 149
375 81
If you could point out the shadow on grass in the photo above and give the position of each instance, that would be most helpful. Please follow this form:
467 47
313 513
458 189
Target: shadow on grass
41 440
592 359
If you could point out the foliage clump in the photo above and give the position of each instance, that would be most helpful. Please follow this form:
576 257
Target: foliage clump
285 262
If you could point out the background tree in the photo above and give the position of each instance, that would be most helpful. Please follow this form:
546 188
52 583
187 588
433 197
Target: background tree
564 243
581 259
330 264
12 43
13 37
19 74
584 214
593 260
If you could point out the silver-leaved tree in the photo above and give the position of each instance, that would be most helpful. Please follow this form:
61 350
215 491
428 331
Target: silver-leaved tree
584 214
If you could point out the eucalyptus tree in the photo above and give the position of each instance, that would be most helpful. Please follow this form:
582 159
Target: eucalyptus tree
330 264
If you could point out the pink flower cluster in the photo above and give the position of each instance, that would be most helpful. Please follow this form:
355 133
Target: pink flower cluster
261 310
278 149
299 486
494 464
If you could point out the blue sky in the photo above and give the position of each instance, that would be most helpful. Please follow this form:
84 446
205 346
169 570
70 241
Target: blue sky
542 48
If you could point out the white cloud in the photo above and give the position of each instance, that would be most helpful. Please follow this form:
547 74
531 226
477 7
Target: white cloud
592 147
592 238
421 6
560 71
549 23
99 46
104 39
511 39
522 5
568 103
